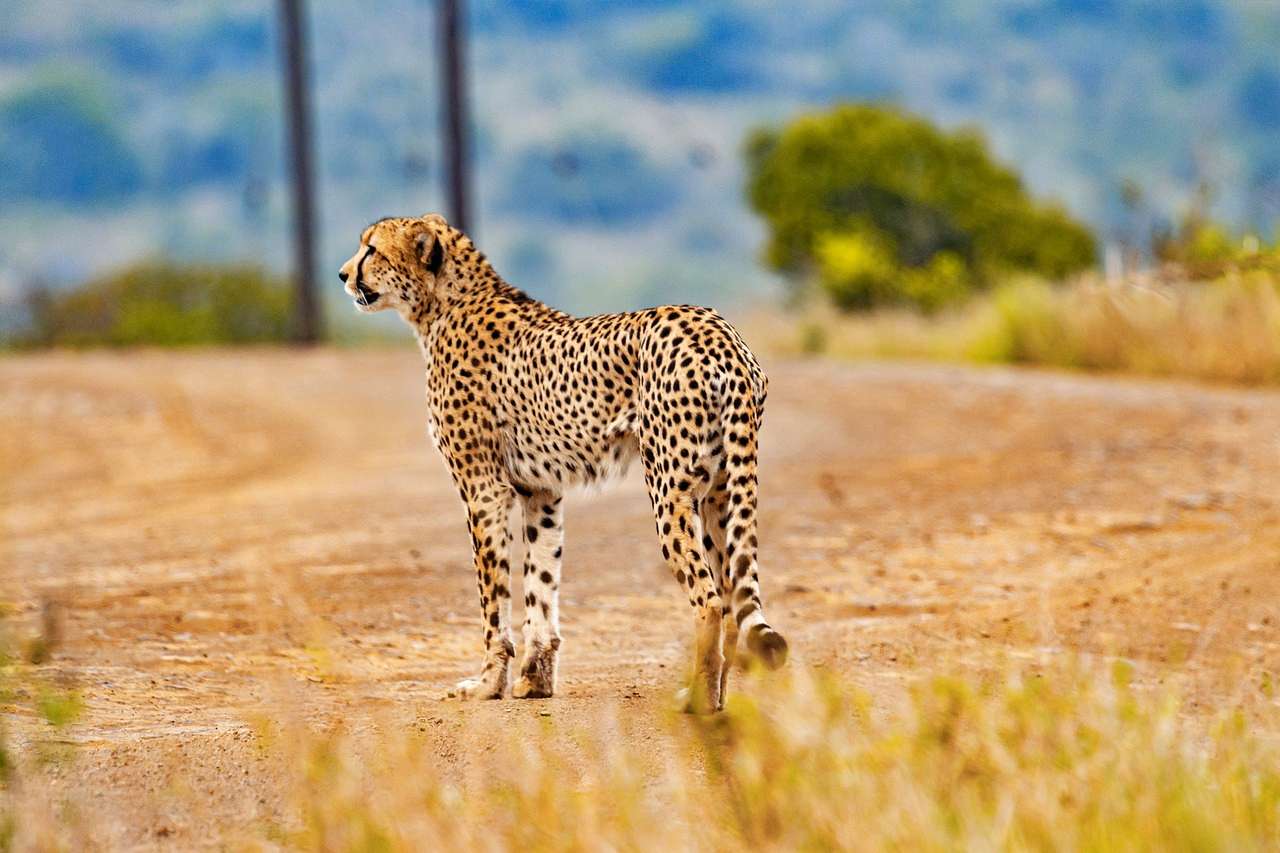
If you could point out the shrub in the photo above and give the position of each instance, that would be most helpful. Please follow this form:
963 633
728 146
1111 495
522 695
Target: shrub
1204 248
941 282
168 305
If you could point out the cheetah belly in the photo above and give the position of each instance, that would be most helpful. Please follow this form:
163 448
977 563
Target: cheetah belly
618 456
556 459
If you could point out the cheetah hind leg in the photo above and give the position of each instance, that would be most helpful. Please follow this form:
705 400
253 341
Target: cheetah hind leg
703 696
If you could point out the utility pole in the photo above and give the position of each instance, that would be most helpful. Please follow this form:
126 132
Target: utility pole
453 99
306 314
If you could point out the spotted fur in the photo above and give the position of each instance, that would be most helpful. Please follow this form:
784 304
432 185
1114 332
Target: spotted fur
525 402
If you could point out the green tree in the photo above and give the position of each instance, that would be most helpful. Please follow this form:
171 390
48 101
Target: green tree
884 207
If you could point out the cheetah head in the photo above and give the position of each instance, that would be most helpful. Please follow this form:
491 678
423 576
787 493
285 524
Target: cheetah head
397 264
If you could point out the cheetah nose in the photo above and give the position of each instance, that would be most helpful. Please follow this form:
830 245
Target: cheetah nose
342 276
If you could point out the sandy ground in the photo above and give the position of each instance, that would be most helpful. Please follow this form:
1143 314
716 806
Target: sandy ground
224 537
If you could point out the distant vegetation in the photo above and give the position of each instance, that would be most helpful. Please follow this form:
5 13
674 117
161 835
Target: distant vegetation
164 304
175 147
1210 310
884 208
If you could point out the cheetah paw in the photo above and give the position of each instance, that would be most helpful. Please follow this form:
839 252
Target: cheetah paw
476 688
527 688
689 701
538 671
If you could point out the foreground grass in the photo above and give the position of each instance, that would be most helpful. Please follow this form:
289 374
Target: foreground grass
1067 757
1070 759
1225 330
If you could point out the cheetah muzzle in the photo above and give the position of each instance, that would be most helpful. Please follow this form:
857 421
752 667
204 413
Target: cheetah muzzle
526 402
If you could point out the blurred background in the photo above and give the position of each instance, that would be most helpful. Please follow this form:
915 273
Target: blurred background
848 154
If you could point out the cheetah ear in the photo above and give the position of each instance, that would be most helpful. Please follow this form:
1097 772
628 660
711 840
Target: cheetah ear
434 259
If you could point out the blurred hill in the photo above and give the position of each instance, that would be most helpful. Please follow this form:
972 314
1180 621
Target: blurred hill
608 135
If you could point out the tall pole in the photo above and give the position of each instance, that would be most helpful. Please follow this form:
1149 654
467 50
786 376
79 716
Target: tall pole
306 314
453 100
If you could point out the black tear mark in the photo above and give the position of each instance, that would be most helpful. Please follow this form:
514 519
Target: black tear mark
360 266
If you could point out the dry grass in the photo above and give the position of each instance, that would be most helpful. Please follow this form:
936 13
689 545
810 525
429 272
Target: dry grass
1069 758
1225 330
1054 757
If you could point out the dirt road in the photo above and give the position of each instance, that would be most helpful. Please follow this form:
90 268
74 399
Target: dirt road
225 535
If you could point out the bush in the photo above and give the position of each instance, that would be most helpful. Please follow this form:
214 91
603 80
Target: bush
924 216
167 305
1204 248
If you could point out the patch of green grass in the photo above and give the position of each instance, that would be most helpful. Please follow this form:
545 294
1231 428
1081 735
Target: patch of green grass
58 707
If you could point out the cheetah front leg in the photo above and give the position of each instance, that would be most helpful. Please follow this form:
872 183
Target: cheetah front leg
488 509
544 545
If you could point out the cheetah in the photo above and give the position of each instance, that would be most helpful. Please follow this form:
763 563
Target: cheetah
525 402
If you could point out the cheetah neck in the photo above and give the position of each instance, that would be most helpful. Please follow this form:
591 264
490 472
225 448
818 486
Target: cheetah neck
474 288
